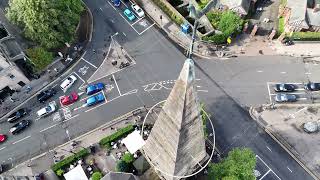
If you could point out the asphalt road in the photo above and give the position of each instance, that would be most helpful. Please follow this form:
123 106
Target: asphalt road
227 88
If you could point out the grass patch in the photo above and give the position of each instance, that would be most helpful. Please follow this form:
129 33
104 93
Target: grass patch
281 25
40 58
203 3
106 142
306 36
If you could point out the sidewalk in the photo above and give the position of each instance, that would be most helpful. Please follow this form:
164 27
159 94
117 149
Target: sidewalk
43 162
298 49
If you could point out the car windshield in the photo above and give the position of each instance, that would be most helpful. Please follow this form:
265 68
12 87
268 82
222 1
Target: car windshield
281 87
48 108
284 97
139 10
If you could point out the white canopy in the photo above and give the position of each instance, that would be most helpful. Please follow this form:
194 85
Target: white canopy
76 173
133 142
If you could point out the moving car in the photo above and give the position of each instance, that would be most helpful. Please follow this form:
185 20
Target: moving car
66 100
312 86
284 87
17 115
129 14
137 10
285 98
45 95
67 83
95 99
94 88
3 138
20 126
47 110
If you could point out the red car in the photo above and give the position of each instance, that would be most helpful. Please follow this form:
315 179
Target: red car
66 100
2 138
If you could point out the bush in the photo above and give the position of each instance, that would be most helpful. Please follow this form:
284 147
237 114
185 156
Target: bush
40 58
216 38
106 142
128 158
60 172
306 36
68 160
122 166
177 18
203 3
214 18
96 176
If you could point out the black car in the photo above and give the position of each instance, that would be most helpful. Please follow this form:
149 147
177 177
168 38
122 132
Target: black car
17 115
20 126
45 95
284 87
312 86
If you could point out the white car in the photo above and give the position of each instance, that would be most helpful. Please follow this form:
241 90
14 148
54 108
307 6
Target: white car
137 10
67 83
47 110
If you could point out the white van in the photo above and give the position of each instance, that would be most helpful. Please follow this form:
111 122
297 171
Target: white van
50 108
67 83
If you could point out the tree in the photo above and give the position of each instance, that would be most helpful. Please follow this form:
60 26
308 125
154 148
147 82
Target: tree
50 23
40 58
122 166
96 176
230 23
239 165
128 158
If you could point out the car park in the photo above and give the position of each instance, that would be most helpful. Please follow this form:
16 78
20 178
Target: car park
285 98
20 126
129 14
137 10
312 86
3 138
282 87
69 99
45 95
95 99
50 108
17 115
67 83
94 88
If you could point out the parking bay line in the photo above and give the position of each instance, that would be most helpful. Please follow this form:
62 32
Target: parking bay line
129 24
48 128
89 63
146 29
3 148
112 5
115 81
21 140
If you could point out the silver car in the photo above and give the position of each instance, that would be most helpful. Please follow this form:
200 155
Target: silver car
285 98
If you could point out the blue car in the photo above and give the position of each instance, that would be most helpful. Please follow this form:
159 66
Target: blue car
94 88
95 99
129 14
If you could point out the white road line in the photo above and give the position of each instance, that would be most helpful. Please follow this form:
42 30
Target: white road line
265 174
2 148
89 63
286 83
198 79
79 77
269 148
54 85
307 73
259 71
198 86
129 23
289 169
48 128
269 92
315 64
300 89
115 81
124 34
100 9
112 5
124 4
283 72
71 118
37 119
21 140
136 22
201 90
146 29
302 98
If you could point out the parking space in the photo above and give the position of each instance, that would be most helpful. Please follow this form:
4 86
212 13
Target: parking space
263 171
138 24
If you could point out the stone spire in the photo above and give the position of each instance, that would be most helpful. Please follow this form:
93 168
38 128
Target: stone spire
176 144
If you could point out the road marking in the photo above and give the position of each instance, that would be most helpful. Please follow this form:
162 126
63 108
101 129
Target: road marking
112 6
2 148
115 81
37 119
89 63
71 118
146 29
269 92
286 83
21 140
201 90
283 72
307 73
302 98
300 89
198 86
136 21
48 128
259 71
130 92
198 79
124 34
54 85
79 77
269 148
129 24
265 174
289 169
124 4
100 9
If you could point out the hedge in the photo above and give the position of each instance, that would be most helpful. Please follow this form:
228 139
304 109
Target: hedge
281 25
70 159
173 16
306 36
106 142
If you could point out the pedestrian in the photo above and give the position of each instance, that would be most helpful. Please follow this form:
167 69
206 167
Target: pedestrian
11 99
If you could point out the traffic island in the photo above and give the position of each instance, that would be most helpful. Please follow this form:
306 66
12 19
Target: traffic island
295 128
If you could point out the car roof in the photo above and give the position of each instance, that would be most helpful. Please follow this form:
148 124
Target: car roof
41 111
127 11
100 96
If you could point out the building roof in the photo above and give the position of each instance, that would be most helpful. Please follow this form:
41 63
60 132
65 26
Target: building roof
76 173
298 10
313 17
133 142
245 4
119 176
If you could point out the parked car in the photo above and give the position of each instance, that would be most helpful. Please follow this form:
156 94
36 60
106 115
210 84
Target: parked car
129 14
137 10
67 83
285 98
20 126
17 115
45 95
3 138
95 99
116 3
312 86
67 100
284 87
50 108
94 88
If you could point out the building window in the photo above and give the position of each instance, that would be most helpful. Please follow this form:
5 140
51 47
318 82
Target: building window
11 76
21 83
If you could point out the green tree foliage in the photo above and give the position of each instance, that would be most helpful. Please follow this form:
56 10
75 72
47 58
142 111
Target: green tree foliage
214 18
239 165
50 23
230 23
96 176
40 58
122 166
128 158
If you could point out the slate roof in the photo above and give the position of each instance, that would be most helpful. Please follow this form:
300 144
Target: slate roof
119 176
300 12
313 17
245 4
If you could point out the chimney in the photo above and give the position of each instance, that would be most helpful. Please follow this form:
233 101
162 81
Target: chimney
316 7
